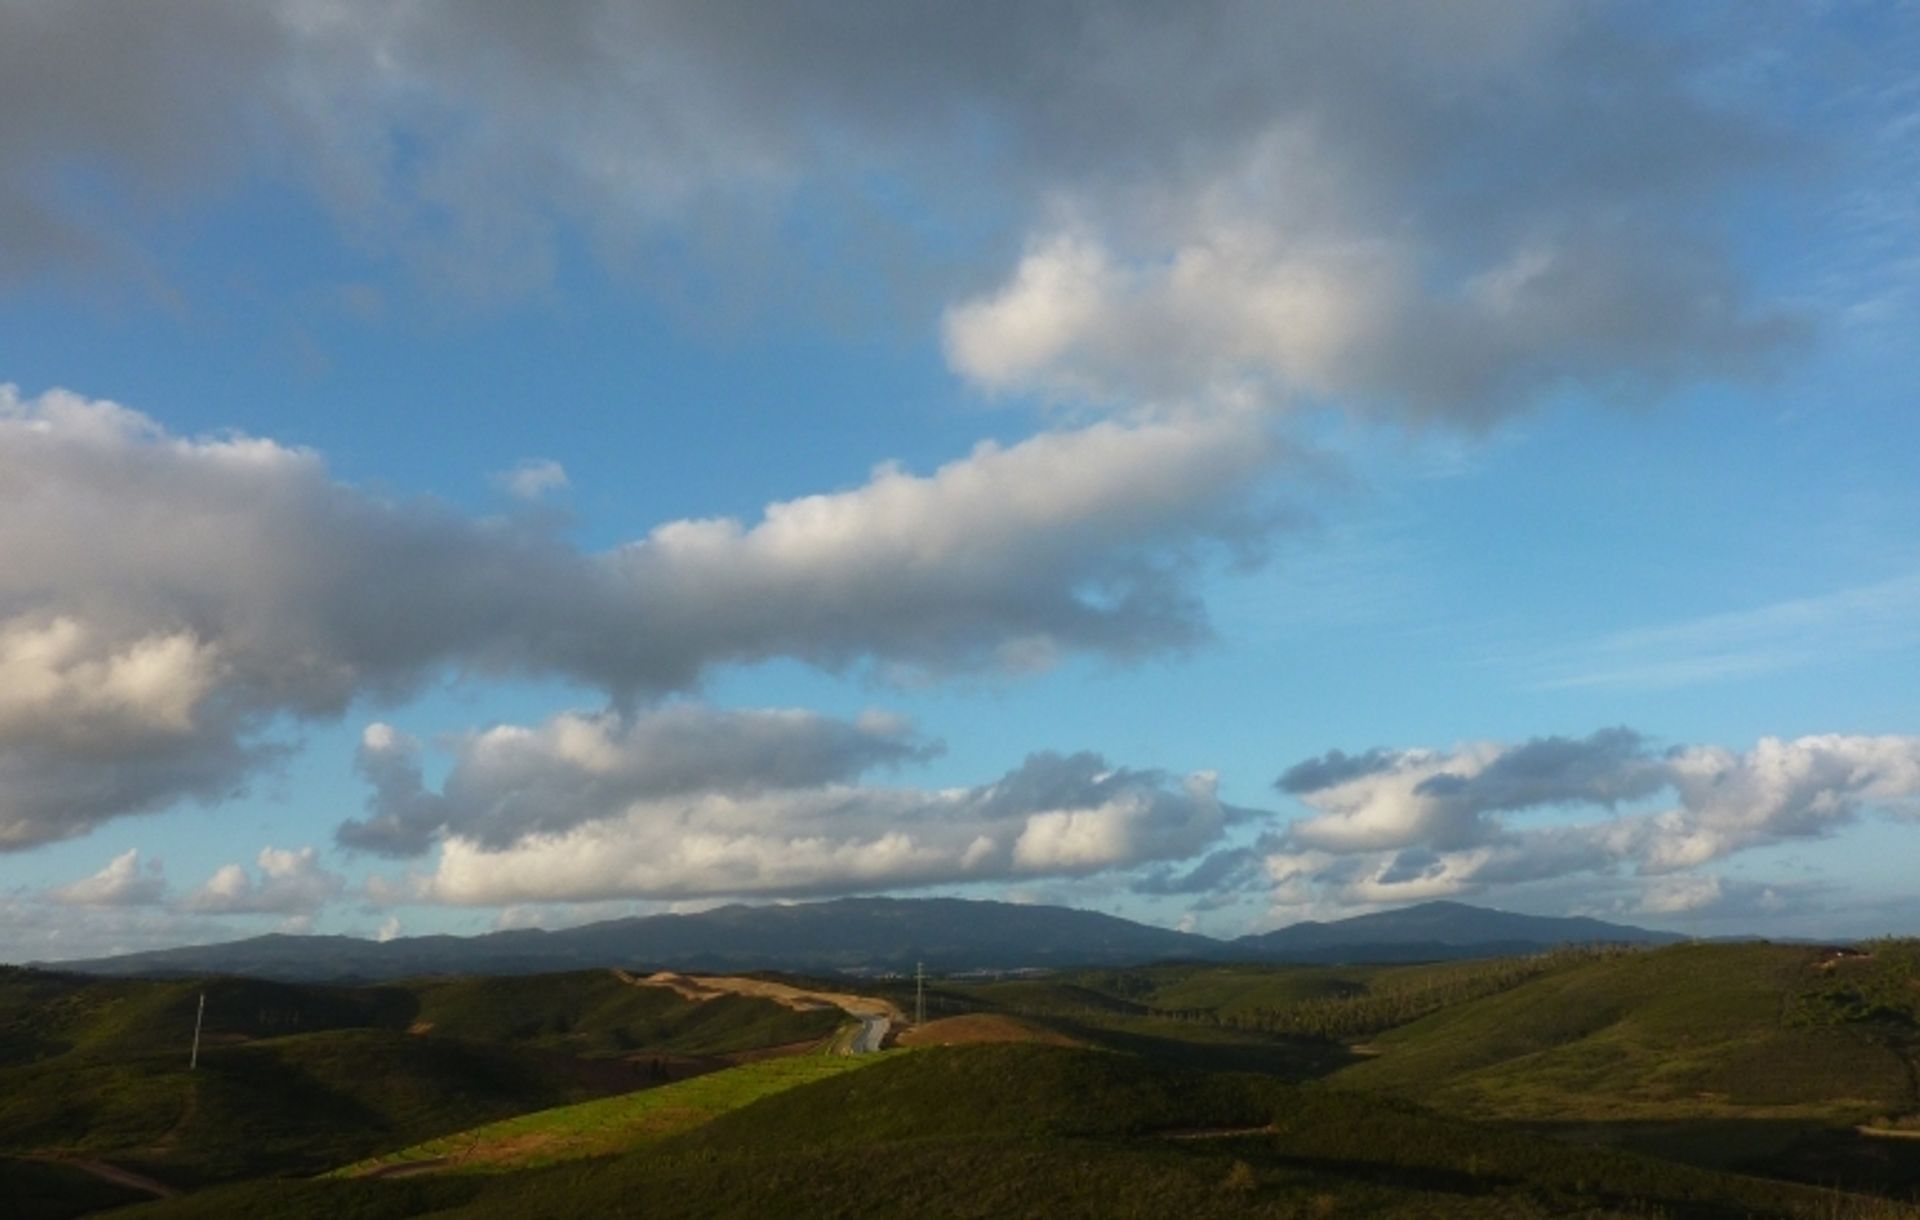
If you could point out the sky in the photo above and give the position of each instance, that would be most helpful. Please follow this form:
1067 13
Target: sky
481 466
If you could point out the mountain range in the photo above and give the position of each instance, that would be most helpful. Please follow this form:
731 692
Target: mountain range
876 935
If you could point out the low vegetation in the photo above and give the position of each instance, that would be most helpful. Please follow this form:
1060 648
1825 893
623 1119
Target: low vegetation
299 1079
1715 1082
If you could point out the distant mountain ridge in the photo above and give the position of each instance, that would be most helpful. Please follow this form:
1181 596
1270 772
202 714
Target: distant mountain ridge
876 935
1438 930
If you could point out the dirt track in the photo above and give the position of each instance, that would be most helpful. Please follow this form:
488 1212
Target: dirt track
980 1027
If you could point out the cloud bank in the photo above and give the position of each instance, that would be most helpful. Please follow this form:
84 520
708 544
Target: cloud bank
691 803
1406 825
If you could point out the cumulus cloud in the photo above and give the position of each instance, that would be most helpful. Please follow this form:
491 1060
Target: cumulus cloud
122 883
165 599
291 883
511 782
1231 311
1407 825
1053 816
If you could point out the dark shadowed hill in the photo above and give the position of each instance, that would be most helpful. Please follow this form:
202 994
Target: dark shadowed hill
875 934
1437 930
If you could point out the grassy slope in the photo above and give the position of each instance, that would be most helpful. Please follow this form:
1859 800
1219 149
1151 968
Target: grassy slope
1045 1131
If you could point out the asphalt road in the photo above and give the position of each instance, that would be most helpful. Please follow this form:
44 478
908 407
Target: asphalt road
873 1031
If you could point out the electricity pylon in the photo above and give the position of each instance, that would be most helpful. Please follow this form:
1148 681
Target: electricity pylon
193 1061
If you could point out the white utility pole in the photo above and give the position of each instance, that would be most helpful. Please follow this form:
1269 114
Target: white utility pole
193 1063
920 993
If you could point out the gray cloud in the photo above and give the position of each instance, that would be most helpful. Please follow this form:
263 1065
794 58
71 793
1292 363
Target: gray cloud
403 817
1334 767
1222 873
1442 213
1606 768
166 599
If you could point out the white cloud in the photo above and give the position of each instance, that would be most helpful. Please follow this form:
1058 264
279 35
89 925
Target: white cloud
1682 893
291 883
1402 826
1238 308
533 479
165 599
1053 816
122 883
510 781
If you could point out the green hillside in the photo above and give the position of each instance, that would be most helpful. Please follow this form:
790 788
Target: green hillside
1689 1030
996 1131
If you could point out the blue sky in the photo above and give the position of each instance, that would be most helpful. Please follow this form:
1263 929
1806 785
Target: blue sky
471 468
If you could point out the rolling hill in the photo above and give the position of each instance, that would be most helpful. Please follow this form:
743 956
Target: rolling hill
301 1077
